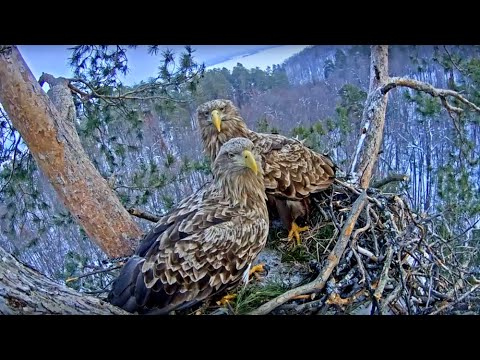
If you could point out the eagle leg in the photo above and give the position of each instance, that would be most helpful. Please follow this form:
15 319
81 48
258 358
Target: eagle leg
295 231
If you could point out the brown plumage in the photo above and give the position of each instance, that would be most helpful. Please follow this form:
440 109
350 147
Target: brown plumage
205 244
292 171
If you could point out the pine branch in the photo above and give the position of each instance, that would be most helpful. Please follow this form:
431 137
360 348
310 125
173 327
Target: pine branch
129 95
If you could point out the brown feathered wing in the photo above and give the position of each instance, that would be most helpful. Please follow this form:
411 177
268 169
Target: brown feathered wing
194 251
292 170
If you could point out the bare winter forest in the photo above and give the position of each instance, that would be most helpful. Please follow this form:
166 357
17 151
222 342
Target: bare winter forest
144 141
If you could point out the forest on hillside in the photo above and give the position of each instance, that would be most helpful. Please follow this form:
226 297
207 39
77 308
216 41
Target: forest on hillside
150 152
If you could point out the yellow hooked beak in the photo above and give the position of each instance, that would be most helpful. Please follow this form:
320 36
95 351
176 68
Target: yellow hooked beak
216 120
250 161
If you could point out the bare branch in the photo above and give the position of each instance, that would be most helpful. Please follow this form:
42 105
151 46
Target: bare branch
373 118
143 214
83 94
13 163
356 191
75 278
384 277
449 107
429 89
390 298
24 291
367 253
461 298
389 179
451 60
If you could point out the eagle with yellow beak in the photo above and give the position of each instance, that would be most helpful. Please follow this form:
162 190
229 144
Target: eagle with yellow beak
292 171
203 246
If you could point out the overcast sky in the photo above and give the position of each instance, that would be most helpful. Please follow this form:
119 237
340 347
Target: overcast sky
53 59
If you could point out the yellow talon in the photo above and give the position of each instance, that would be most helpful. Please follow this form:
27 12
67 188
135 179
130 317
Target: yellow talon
226 299
295 231
253 271
256 269
259 271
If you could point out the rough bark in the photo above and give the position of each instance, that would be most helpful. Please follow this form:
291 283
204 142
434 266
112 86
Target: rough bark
55 145
373 119
24 291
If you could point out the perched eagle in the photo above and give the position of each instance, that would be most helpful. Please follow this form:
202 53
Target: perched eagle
292 171
204 245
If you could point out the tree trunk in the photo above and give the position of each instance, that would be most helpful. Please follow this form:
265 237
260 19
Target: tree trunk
24 291
373 119
56 147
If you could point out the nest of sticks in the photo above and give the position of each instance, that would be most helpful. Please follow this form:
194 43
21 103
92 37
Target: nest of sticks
385 260
381 258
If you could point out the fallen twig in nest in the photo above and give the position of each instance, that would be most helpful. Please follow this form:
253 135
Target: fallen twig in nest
385 258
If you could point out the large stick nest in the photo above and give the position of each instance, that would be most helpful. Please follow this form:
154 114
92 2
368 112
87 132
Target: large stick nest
368 253
389 261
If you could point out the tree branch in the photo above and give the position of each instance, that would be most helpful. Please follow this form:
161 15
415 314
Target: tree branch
429 89
367 253
143 214
24 291
83 94
384 277
389 179
5 49
57 150
373 118
129 95
332 261
451 60
461 298
75 278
